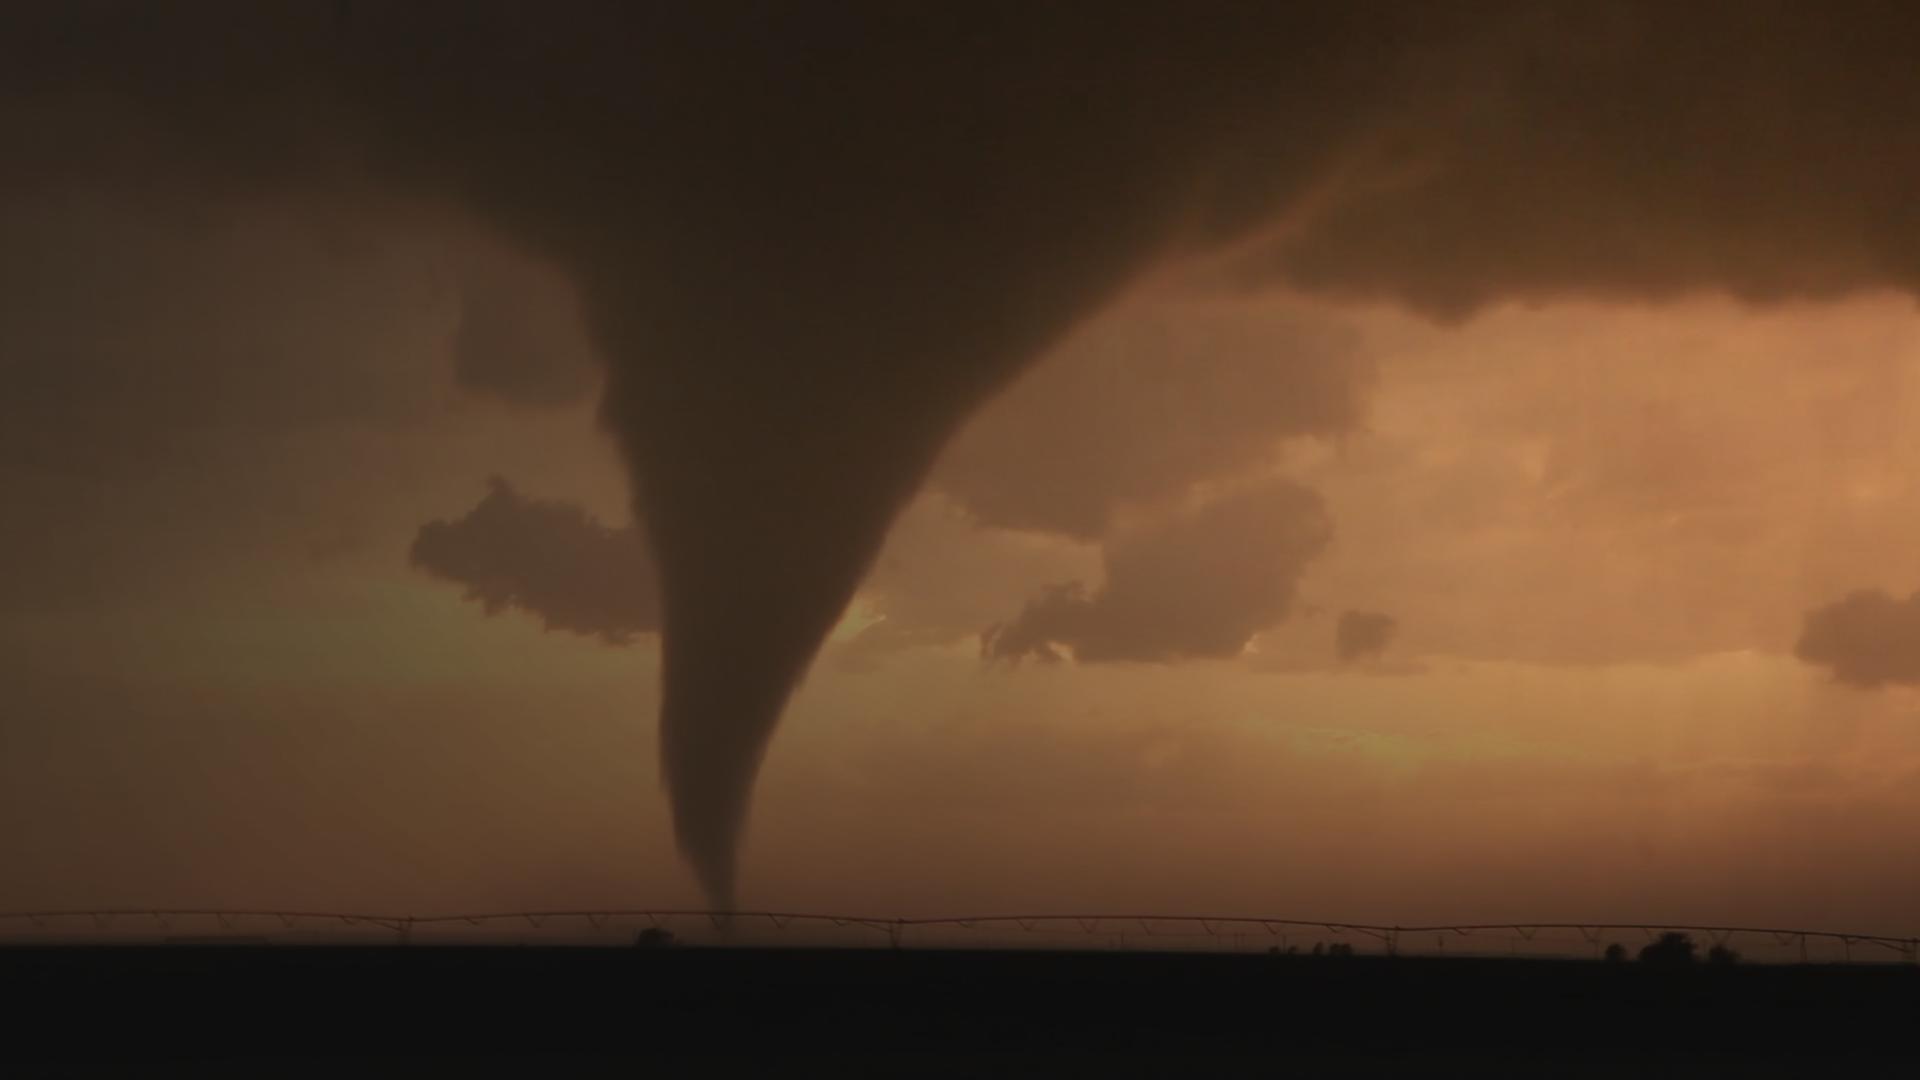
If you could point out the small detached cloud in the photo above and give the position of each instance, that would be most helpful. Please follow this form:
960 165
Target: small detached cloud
1197 585
1362 634
549 559
1867 638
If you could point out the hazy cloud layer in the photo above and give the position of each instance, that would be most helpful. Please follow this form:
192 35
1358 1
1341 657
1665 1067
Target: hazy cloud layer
548 559
1867 638
1360 634
1147 401
1195 585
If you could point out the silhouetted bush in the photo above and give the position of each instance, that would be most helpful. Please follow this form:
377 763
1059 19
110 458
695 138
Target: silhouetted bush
1339 948
1616 953
654 937
1673 949
1720 954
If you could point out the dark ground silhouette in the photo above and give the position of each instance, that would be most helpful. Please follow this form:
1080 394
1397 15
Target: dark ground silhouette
681 1011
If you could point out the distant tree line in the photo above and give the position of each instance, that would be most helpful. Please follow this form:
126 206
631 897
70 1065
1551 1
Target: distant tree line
1672 949
1338 948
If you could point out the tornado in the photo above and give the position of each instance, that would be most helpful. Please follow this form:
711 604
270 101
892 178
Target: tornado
811 240
839 263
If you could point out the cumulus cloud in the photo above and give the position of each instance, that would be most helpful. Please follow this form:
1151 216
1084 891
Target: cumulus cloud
549 559
1360 634
1149 400
1867 638
1195 585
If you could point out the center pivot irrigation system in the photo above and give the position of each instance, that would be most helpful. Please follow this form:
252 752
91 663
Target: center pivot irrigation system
1231 933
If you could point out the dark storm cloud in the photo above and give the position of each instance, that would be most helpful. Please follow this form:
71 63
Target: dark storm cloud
1360 634
1867 638
1198 585
548 559
810 239
1640 151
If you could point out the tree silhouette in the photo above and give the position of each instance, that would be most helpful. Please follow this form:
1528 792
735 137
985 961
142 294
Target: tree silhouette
1673 949
654 937
1720 954
1616 953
